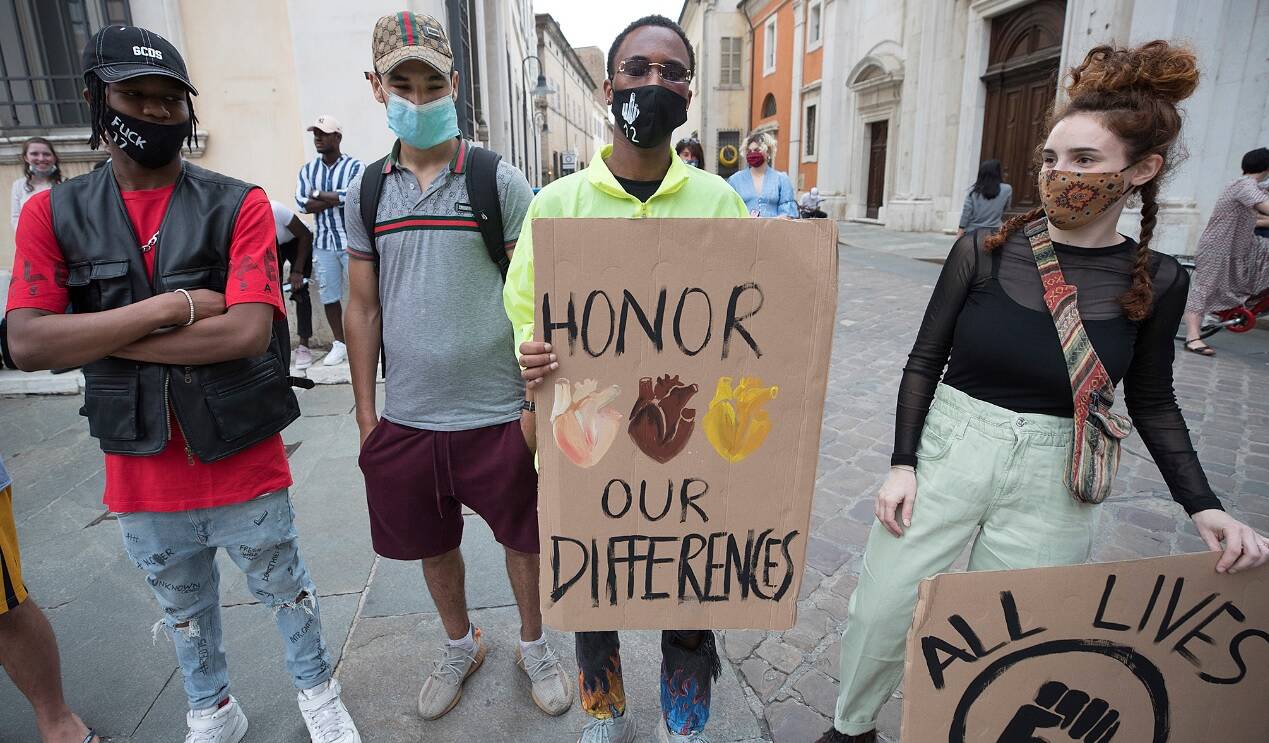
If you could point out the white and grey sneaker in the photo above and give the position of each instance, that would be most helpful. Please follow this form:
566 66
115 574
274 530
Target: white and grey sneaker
225 724
611 730
548 682
326 716
666 736
442 690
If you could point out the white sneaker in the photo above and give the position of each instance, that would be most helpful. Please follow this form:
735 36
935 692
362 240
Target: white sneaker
442 690
548 681
610 730
326 716
303 357
665 736
224 725
338 354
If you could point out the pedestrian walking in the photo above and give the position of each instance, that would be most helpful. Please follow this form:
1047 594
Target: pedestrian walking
429 228
41 170
767 192
987 201
690 152
1232 261
996 454
321 189
650 66
295 247
28 648
184 387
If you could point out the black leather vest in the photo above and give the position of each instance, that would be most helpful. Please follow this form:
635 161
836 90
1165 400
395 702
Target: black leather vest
222 408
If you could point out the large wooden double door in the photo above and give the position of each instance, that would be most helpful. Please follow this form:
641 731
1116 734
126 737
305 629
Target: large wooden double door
1021 80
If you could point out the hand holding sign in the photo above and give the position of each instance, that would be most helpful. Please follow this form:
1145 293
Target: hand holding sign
1056 706
537 360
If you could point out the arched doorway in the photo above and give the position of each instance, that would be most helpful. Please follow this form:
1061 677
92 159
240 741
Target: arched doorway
1021 80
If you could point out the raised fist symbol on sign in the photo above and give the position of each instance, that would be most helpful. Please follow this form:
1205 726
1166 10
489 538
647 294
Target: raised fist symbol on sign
1081 717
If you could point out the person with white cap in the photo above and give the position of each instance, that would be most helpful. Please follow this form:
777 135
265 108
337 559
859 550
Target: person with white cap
321 188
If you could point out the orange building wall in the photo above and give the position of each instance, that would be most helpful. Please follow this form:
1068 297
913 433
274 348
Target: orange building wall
812 65
812 70
780 82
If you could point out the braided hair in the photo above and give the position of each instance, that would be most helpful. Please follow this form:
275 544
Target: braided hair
1134 92
99 116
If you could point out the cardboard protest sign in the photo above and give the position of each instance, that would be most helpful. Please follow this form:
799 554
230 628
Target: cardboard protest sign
1143 651
678 441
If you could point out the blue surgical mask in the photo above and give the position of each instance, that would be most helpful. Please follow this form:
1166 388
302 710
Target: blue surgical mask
423 126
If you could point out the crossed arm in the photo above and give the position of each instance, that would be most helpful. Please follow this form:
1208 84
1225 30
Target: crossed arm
149 331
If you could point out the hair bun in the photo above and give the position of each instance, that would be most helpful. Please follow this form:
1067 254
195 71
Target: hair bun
1156 69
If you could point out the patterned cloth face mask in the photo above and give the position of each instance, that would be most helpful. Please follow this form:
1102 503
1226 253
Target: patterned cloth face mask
1072 199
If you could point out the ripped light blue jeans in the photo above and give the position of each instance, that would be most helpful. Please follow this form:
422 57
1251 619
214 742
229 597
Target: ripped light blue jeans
177 551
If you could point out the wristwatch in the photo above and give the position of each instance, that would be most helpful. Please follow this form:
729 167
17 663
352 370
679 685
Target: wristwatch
315 194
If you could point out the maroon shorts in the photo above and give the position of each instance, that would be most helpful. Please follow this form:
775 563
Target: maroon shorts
417 483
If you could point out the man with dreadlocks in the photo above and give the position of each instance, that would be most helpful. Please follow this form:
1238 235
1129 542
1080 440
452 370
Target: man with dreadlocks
171 275
650 68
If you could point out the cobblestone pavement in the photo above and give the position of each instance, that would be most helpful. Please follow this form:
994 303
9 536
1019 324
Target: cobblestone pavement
376 616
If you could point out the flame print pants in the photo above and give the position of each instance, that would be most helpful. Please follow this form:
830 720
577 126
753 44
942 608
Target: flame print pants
689 665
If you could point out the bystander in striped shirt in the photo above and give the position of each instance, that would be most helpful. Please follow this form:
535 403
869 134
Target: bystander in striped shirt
317 175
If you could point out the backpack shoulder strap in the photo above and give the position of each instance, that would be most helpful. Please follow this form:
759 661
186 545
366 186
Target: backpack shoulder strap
482 191
371 187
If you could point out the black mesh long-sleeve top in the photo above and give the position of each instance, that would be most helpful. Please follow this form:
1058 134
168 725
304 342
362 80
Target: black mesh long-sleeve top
988 325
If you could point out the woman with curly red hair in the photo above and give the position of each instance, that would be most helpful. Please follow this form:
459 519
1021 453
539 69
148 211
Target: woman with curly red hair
998 448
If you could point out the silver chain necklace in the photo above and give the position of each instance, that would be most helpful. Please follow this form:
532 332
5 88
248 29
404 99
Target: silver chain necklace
149 244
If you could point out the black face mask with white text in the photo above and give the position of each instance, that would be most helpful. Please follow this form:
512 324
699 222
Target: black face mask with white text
649 114
150 145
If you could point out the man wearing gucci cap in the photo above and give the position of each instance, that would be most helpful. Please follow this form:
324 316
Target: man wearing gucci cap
429 246
321 189
170 271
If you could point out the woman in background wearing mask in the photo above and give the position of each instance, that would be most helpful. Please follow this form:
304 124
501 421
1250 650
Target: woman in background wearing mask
988 450
690 152
766 191
1232 263
40 172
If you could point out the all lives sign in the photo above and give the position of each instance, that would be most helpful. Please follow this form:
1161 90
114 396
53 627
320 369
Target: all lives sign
678 441
1144 651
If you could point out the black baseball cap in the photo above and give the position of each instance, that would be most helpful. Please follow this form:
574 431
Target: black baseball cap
118 53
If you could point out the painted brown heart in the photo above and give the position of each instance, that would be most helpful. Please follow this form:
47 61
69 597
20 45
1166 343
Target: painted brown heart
660 422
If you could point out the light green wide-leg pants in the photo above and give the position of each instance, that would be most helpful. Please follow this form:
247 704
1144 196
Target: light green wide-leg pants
982 469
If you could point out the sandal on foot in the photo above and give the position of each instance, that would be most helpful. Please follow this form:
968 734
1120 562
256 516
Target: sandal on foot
92 735
1204 350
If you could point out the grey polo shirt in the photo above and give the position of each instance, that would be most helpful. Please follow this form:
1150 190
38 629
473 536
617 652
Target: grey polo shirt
451 365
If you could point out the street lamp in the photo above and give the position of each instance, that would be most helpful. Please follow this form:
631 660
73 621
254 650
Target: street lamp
539 94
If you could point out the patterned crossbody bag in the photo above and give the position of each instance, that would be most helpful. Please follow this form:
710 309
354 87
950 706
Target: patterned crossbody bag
1098 431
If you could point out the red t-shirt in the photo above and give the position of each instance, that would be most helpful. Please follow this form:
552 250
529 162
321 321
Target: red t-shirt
167 481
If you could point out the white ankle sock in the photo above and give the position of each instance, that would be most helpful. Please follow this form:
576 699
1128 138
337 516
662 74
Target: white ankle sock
524 646
467 643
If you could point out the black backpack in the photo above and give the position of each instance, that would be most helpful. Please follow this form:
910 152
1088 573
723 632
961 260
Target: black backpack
482 190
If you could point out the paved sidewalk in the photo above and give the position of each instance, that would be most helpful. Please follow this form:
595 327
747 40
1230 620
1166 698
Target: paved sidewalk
379 622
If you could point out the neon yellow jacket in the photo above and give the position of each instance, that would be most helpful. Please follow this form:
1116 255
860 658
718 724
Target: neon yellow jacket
594 192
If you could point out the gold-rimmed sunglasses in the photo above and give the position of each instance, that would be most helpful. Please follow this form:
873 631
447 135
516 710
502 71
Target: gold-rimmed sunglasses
671 72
